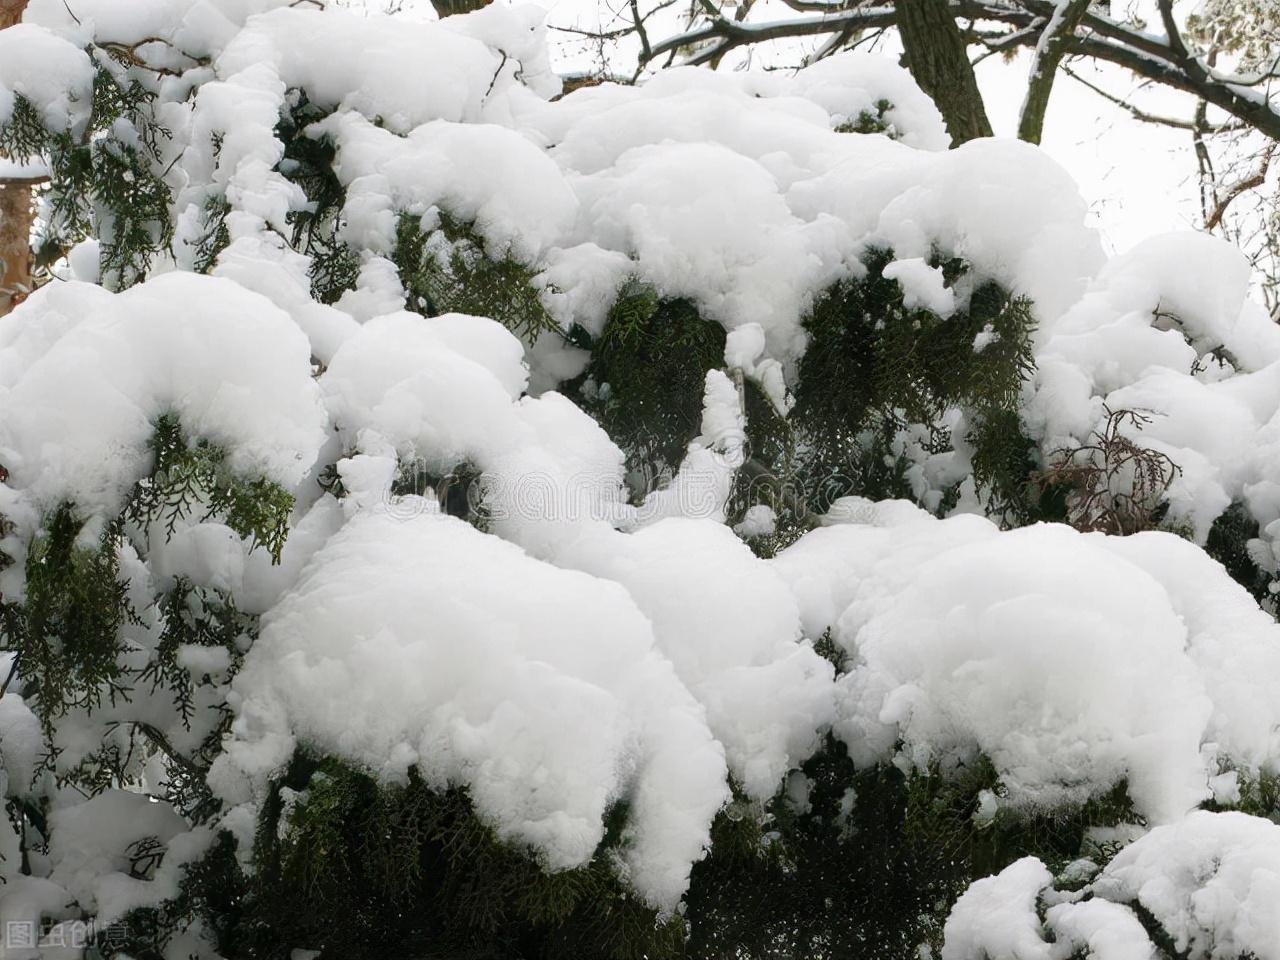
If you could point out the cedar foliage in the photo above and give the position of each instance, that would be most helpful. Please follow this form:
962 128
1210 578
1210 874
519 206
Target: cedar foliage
105 181
359 869
645 378
450 269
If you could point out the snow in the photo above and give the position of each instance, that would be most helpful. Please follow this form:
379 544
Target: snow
736 193
1039 651
1234 645
741 254
441 390
90 847
1143 337
573 650
539 689
55 76
731 630
85 374
744 350
481 173
210 555
997 917
196 27
922 286
852 83
1071 661
21 744
24 902
1212 881
866 545
266 266
1102 929
234 152
408 73
758 521
1208 882
1013 213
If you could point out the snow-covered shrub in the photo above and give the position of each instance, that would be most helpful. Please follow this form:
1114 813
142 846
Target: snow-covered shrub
439 517
1204 888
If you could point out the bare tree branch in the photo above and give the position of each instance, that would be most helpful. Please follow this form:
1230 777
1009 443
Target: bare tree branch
1165 60
817 6
162 743
128 53
733 34
1204 161
1253 110
645 50
1241 187
1153 118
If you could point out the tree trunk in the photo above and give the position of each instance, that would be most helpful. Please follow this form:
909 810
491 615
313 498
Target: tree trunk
16 213
939 63
1049 52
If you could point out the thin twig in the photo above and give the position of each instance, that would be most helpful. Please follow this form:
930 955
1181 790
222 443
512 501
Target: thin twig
1140 114
13 672
497 73
1243 186
645 54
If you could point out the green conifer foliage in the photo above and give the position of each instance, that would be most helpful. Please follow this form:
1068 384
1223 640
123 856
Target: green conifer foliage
193 478
308 162
874 366
1228 543
66 631
644 382
870 121
105 181
361 869
834 877
450 269
842 863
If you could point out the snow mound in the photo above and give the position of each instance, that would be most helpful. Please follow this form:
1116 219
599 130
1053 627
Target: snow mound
408 73
85 375
440 389
91 847
1167 330
1071 661
54 75
538 689
740 196
436 394
731 629
996 916
477 172
852 84
1211 880
190 28
1206 885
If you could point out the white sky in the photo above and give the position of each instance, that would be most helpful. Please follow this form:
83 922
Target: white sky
1137 178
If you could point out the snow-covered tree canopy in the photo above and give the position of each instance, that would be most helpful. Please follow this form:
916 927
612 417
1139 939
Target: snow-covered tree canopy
706 518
